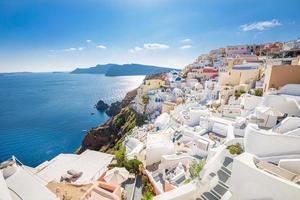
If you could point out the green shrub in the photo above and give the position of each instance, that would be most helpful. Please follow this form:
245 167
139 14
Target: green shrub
118 122
132 165
147 195
258 92
122 124
145 99
140 119
148 190
238 93
187 181
145 180
235 149
195 168
120 156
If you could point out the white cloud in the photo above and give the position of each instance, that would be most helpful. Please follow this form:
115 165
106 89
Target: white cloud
262 25
135 49
101 47
186 46
88 41
71 49
187 40
80 48
149 46
154 46
138 49
74 49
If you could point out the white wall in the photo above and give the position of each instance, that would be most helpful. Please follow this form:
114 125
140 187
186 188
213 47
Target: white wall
153 154
288 124
268 121
291 89
292 165
248 182
264 143
250 101
158 145
189 135
4 193
220 128
168 161
162 121
295 132
282 104
189 191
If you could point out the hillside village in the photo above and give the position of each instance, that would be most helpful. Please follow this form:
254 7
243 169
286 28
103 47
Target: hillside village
226 126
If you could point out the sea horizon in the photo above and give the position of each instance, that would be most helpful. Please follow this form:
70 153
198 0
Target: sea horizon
45 114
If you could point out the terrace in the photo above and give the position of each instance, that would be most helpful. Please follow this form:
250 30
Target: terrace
89 165
279 171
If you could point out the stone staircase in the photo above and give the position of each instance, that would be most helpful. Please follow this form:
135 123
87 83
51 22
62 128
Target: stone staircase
223 175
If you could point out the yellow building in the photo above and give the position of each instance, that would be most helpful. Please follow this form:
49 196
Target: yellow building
151 84
229 63
240 77
167 107
277 76
241 74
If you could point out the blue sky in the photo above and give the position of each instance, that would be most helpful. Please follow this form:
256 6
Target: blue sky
59 35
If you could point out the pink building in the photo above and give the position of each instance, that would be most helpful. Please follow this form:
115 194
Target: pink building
209 72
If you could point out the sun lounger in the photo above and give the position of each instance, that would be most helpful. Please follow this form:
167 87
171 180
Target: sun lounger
71 176
74 173
66 177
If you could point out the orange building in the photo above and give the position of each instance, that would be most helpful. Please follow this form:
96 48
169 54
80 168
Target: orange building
277 76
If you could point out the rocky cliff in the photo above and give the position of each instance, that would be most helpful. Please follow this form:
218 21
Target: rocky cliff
116 107
101 105
108 134
123 120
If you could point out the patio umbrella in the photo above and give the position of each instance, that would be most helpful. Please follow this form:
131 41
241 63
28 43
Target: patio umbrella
116 175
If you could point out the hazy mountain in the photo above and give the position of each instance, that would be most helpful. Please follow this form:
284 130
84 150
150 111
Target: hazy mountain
122 70
98 69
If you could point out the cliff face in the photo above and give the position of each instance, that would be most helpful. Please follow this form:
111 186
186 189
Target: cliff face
122 121
109 133
116 107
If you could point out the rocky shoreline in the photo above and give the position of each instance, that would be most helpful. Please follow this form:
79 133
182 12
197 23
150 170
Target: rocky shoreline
101 106
122 120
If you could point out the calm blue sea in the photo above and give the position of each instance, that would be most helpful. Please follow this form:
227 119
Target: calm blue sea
44 114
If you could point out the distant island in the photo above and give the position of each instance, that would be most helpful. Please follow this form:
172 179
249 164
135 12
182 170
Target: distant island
122 70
